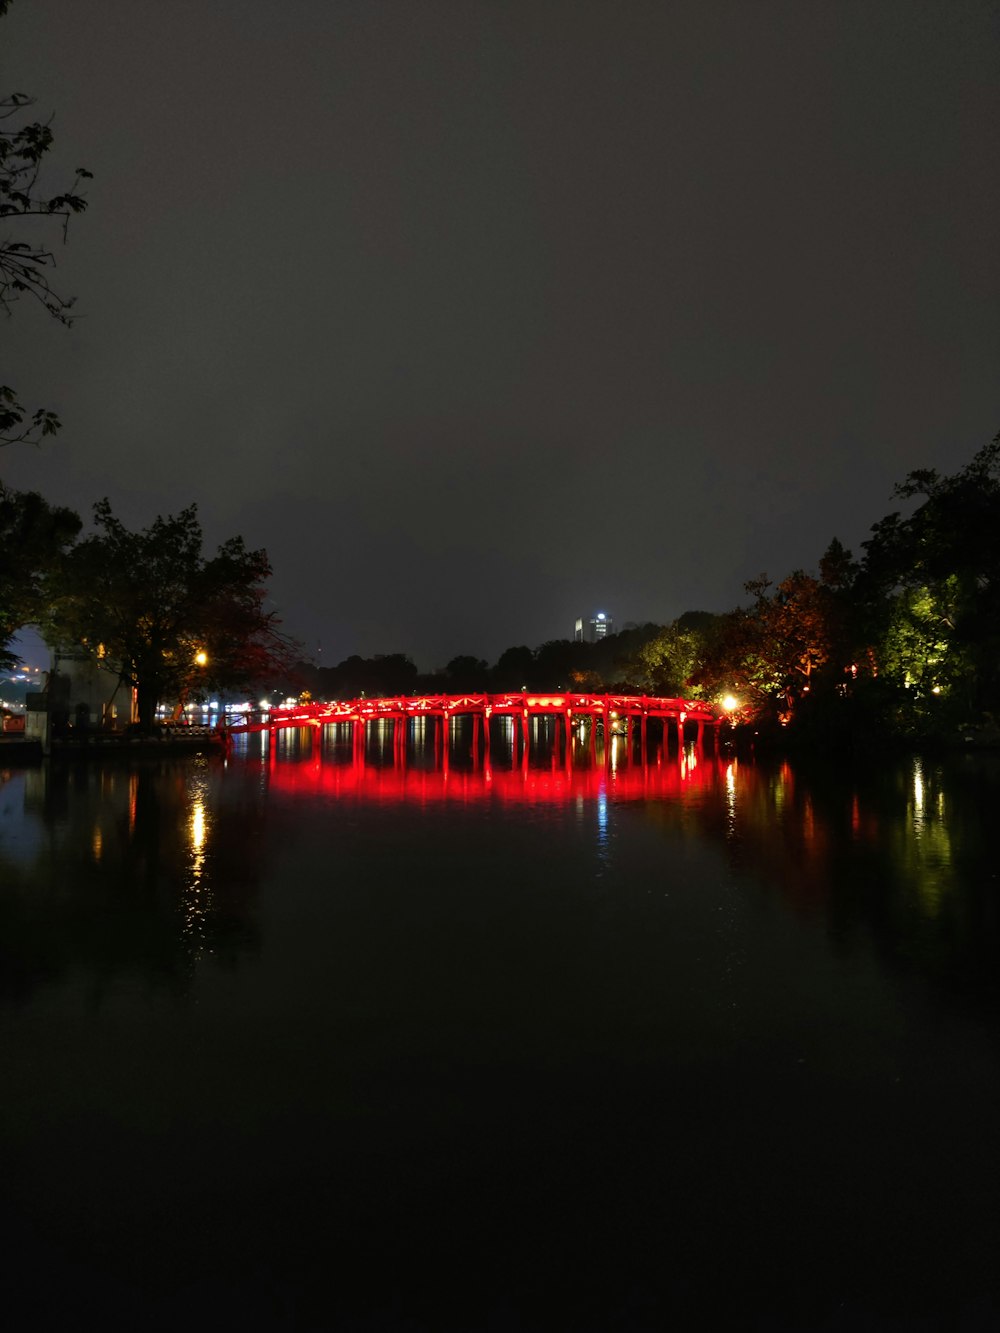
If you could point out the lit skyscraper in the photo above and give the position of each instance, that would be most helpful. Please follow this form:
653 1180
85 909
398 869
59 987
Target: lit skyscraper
598 626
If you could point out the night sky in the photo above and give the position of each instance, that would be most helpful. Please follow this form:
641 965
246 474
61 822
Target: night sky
483 315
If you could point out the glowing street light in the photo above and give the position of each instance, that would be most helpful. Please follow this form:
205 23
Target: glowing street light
201 657
730 703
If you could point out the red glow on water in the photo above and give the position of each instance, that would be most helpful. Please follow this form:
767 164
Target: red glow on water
676 777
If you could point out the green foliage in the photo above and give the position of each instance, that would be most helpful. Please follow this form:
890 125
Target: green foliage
935 579
147 603
671 661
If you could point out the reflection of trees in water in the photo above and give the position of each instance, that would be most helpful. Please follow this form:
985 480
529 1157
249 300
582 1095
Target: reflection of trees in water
126 871
898 852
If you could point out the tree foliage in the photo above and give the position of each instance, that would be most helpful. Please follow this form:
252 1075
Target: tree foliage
32 216
935 577
32 536
671 661
148 604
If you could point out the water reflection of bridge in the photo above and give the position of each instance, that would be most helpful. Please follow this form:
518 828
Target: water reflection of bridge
582 717
553 779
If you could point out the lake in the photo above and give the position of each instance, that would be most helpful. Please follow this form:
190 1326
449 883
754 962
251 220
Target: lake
302 1038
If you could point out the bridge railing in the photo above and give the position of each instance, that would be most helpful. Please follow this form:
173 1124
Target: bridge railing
516 704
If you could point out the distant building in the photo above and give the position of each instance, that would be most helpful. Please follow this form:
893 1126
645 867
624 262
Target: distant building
598 627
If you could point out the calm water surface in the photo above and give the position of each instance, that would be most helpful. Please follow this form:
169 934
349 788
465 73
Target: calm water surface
297 1041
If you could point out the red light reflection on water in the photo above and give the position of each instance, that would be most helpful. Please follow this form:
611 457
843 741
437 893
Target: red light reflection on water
355 778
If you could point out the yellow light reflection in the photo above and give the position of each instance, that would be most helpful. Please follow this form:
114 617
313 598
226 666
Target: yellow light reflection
731 798
198 824
918 795
196 898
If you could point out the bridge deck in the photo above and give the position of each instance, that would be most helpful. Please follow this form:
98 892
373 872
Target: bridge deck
603 707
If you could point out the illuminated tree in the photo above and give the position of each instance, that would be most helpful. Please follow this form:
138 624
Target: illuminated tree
167 621
769 655
936 575
671 661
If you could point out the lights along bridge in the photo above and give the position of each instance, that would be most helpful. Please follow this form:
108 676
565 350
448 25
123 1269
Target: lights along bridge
627 714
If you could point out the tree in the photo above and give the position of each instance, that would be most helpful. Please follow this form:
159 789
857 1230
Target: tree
936 578
671 660
768 655
557 663
26 257
32 537
168 621
467 675
513 668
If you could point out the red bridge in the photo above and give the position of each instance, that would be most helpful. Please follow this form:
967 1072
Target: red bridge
626 714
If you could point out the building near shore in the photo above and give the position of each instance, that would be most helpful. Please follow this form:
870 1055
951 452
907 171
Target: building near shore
78 697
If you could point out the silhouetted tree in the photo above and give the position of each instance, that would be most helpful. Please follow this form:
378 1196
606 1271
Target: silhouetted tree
513 669
384 675
466 675
167 621
32 536
555 663
29 214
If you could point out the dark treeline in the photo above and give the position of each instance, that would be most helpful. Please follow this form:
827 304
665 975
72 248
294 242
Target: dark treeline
903 639
558 664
